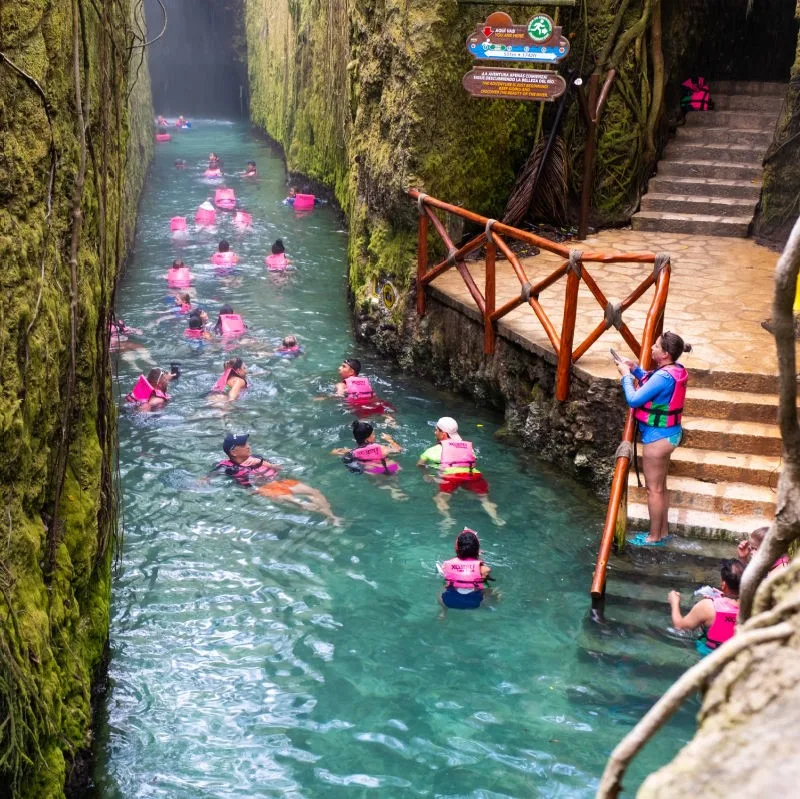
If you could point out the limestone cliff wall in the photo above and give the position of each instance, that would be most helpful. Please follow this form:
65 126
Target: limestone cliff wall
71 170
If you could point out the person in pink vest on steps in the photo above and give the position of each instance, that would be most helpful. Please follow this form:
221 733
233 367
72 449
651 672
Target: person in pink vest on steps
658 408
716 614
747 548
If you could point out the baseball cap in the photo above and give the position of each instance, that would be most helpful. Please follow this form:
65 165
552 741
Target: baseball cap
450 426
232 441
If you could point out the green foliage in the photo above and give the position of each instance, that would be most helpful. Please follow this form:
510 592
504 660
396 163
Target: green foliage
54 610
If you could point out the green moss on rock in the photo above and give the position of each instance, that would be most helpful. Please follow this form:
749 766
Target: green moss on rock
55 578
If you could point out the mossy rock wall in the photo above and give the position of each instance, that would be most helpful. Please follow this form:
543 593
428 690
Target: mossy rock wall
57 434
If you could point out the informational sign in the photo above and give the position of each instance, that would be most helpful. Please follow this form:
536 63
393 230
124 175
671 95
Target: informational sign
498 39
500 83
527 2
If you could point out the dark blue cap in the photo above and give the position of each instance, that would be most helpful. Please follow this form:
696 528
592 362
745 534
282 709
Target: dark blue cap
232 441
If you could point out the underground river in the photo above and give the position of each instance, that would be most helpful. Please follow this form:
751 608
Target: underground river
259 651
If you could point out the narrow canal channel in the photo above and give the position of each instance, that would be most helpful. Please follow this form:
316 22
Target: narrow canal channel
259 651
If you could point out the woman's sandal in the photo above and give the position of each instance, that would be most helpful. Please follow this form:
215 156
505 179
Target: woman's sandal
640 540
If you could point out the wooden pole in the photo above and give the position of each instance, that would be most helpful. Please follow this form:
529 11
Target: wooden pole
422 260
568 331
489 294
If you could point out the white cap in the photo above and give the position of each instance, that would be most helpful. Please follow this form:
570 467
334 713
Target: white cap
450 426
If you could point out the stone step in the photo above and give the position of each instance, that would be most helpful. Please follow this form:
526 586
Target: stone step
724 435
749 87
724 153
699 524
637 652
740 406
749 382
698 204
688 168
723 498
683 561
730 120
702 224
757 138
768 104
714 187
708 464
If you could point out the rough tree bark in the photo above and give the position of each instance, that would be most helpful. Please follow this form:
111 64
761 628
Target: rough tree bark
749 733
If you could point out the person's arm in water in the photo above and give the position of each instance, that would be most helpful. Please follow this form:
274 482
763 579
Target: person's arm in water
394 448
151 404
236 386
659 385
701 614
485 570
340 451
340 389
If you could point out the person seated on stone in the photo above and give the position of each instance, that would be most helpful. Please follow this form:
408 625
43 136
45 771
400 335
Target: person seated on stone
716 614
456 467
747 548
261 476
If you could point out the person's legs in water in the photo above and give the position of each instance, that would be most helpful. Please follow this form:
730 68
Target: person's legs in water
299 494
655 465
475 485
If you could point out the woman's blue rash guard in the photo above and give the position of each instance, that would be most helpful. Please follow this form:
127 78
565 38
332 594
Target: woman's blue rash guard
658 389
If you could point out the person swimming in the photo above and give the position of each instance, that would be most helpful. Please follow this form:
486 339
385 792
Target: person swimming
233 379
256 473
179 275
229 323
289 348
180 163
277 261
456 465
369 456
465 575
196 328
250 170
357 391
150 393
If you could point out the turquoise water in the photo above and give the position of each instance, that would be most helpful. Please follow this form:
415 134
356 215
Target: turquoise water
258 651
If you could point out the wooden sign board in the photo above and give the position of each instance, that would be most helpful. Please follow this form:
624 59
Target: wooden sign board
499 83
527 2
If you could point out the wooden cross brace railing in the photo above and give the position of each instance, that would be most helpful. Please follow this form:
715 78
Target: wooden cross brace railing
573 268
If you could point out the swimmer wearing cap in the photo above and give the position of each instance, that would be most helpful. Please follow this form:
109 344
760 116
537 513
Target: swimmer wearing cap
456 466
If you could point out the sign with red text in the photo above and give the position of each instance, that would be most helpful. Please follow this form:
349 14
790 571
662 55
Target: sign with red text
499 39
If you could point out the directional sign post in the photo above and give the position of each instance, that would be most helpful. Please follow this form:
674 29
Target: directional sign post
498 39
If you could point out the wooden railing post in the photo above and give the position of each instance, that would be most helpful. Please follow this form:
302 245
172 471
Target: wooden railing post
422 254
489 291
563 370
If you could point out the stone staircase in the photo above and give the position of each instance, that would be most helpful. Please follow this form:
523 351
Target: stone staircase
709 179
723 476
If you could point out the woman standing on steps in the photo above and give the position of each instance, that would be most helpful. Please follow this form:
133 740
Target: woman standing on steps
658 407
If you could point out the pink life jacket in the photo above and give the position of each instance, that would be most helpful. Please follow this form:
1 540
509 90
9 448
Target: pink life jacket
225 199
374 453
222 383
241 473
192 332
658 414
276 262
205 216
457 453
231 324
242 219
185 307
781 562
697 96
177 223
143 391
724 625
463 573
179 278
228 258
303 202
163 137
357 387
216 172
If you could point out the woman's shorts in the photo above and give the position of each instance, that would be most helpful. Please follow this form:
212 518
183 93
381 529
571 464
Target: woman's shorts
475 484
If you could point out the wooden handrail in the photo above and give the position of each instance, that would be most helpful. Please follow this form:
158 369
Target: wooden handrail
619 481
574 268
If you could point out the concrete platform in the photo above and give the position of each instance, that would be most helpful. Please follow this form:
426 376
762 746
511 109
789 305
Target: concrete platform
720 291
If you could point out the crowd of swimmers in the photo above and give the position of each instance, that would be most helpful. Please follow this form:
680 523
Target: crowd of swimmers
451 461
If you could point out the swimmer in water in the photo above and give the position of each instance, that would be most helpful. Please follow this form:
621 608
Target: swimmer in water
180 121
358 394
289 348
256 473
368 456
196 330
250 170
465 575
150 393
180 163
232 381
456 466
